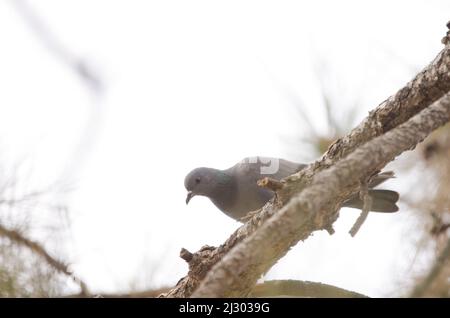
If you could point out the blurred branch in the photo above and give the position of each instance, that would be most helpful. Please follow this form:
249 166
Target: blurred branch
43 32
32 195
150 293
80 67
321 70
314 194
38 249
296 288
425 287
273 288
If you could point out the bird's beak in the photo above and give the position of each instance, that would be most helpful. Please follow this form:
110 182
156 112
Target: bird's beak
190 195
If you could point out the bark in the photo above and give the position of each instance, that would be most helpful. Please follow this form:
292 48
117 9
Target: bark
310 199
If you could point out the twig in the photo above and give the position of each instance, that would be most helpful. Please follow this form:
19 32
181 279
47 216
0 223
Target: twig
43 32
367 199
186 255
35 247
446 39
270 184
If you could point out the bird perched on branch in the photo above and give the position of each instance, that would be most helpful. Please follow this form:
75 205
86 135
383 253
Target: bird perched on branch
236 193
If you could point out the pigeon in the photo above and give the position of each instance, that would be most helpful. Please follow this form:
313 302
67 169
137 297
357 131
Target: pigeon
235 192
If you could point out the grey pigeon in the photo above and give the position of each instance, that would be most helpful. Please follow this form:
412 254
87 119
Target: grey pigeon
236 193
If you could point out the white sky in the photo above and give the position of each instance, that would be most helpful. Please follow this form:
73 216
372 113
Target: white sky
201 83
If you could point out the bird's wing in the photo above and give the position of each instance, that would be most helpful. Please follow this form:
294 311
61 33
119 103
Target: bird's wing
259 167
286 168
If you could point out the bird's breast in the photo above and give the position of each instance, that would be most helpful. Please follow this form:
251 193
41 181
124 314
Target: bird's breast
245 200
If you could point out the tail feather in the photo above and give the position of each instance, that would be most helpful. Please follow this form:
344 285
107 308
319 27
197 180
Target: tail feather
382 201
381 177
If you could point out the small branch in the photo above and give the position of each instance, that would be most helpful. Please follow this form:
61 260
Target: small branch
186 255
367 199
446 39
270 184
38 249
422 289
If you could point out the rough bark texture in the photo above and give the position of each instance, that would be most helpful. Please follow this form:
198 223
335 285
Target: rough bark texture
239 268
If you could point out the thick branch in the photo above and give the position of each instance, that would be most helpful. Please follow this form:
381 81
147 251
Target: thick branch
315 207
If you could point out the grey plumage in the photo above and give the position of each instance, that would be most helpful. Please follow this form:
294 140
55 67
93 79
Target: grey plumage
235 191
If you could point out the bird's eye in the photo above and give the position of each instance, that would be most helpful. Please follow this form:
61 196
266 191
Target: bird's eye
197 180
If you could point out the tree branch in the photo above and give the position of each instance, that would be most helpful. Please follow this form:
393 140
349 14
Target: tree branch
428 86
48 38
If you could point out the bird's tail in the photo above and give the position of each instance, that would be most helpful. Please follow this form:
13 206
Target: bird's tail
382 201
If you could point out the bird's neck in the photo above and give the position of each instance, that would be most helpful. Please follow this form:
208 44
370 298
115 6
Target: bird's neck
223 191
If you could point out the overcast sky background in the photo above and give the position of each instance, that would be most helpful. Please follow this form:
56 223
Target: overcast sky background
201 83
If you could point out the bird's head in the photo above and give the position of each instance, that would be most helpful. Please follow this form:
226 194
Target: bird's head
204 181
